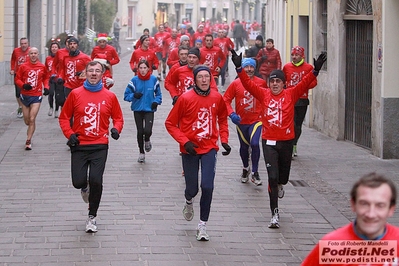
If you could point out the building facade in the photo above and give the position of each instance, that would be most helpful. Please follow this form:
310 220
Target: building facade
37 20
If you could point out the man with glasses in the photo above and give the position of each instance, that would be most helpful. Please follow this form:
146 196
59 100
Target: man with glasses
91 107
278 124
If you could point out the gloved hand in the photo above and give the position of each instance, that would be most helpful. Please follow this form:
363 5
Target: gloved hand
154 67
175 100
227 149
236 58
46 92
154 105
78 73
109 82
52 78
73 140
135 70
114 133
264 58
235 118
318 63
137 95
27 87
60 81
190 148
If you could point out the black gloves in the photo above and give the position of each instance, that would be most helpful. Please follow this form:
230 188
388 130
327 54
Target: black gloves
154 67
227 149
236 58
190 148
73 141
78 73
60 81
318 63
175 100
154 105
137 95
46 92
135 70
114 133
27 87
52 78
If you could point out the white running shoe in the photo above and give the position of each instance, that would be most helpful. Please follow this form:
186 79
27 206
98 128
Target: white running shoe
91 225
281 191
274 222
201 233
147 146
188 211
50 112
85 193
141 158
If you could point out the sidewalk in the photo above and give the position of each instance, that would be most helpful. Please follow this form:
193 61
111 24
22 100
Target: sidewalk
42 217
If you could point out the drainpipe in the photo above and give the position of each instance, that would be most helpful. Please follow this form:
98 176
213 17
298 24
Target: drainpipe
16 42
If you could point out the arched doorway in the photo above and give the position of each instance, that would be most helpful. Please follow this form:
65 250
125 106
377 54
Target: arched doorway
359 53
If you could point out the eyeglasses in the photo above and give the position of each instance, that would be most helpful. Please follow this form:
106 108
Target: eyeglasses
97 71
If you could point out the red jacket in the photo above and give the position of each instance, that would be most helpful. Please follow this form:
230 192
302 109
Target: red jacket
58 62
91 112
278 116
168 83
171 44
294 74
49 64
141 54
197 36
272 62
173 57
200 119
225 44
71 66
347 233
109 51
33 74
247 107
212 57
18 57
160 38
181 79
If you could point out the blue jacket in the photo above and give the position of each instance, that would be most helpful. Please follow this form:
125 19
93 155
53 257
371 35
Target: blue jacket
151 93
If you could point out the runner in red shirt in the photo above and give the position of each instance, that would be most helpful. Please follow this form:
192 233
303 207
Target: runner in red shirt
197 122
198 35
226 45
73 67
19 56
144 53
54 47
104 48
213 57
173 57
248 118
171 43
278 125
91 107
294 71
160 38
32 77
152 41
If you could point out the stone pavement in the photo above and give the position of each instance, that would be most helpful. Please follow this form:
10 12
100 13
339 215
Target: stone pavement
42 217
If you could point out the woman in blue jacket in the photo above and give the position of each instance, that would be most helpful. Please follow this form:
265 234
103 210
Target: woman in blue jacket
144 92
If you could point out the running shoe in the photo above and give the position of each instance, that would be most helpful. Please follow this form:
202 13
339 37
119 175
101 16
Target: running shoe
164 74
245 175
28 145
201 233
147 146
91 225
274 222
256 179
281 191
188 211
50 112
85 192
56 114
19 112
159 77
141 158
